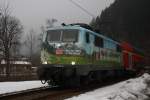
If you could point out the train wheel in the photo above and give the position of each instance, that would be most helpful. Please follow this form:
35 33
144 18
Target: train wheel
43 81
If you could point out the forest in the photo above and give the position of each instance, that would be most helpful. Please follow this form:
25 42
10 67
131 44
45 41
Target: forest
126 20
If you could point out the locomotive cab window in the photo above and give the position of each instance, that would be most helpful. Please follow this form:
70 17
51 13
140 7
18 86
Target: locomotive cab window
66 35
53 35
70 35
98 41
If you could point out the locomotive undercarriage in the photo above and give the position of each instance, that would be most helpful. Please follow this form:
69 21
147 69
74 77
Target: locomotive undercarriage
57 75
71 75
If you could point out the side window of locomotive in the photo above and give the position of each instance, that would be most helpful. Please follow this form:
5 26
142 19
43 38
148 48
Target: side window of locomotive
110 44
87 37
98 41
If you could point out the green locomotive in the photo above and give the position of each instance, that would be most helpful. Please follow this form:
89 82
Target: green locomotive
73 54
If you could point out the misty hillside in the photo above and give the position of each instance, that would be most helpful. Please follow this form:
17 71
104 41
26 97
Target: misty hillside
127 20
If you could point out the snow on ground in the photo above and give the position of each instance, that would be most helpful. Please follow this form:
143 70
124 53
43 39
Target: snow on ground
132 89
9 87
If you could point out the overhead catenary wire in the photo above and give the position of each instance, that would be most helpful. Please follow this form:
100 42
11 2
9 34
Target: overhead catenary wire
83 9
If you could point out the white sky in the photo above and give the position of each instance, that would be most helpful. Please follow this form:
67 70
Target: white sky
33 13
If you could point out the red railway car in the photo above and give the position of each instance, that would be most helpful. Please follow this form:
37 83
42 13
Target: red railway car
132 58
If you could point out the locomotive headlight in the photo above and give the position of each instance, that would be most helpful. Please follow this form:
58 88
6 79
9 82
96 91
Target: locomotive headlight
45 62
73 63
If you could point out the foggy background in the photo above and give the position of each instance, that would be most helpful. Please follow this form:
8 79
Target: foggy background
34 13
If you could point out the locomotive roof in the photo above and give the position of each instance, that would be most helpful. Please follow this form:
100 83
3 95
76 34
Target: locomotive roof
82 28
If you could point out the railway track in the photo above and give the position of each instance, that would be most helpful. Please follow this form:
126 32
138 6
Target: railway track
29 94
52 93
42 93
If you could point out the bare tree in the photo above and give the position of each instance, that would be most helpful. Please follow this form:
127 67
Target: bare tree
30 42
42 33
50 22
10 31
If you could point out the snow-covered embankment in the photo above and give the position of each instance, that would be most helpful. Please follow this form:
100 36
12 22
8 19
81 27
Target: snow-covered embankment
12 87
132 89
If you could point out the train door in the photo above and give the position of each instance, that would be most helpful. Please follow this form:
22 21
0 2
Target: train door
127 60
89 45
130 61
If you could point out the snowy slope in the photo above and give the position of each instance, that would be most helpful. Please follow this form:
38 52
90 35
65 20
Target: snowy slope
9 87
132 89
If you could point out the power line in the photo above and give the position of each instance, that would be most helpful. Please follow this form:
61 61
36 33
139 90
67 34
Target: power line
83 9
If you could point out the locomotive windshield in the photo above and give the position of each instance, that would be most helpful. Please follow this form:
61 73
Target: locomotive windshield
67 35
54 35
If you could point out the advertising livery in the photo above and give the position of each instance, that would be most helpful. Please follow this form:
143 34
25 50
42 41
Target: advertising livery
78 55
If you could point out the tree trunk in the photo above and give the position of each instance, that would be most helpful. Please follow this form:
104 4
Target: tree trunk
7 59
